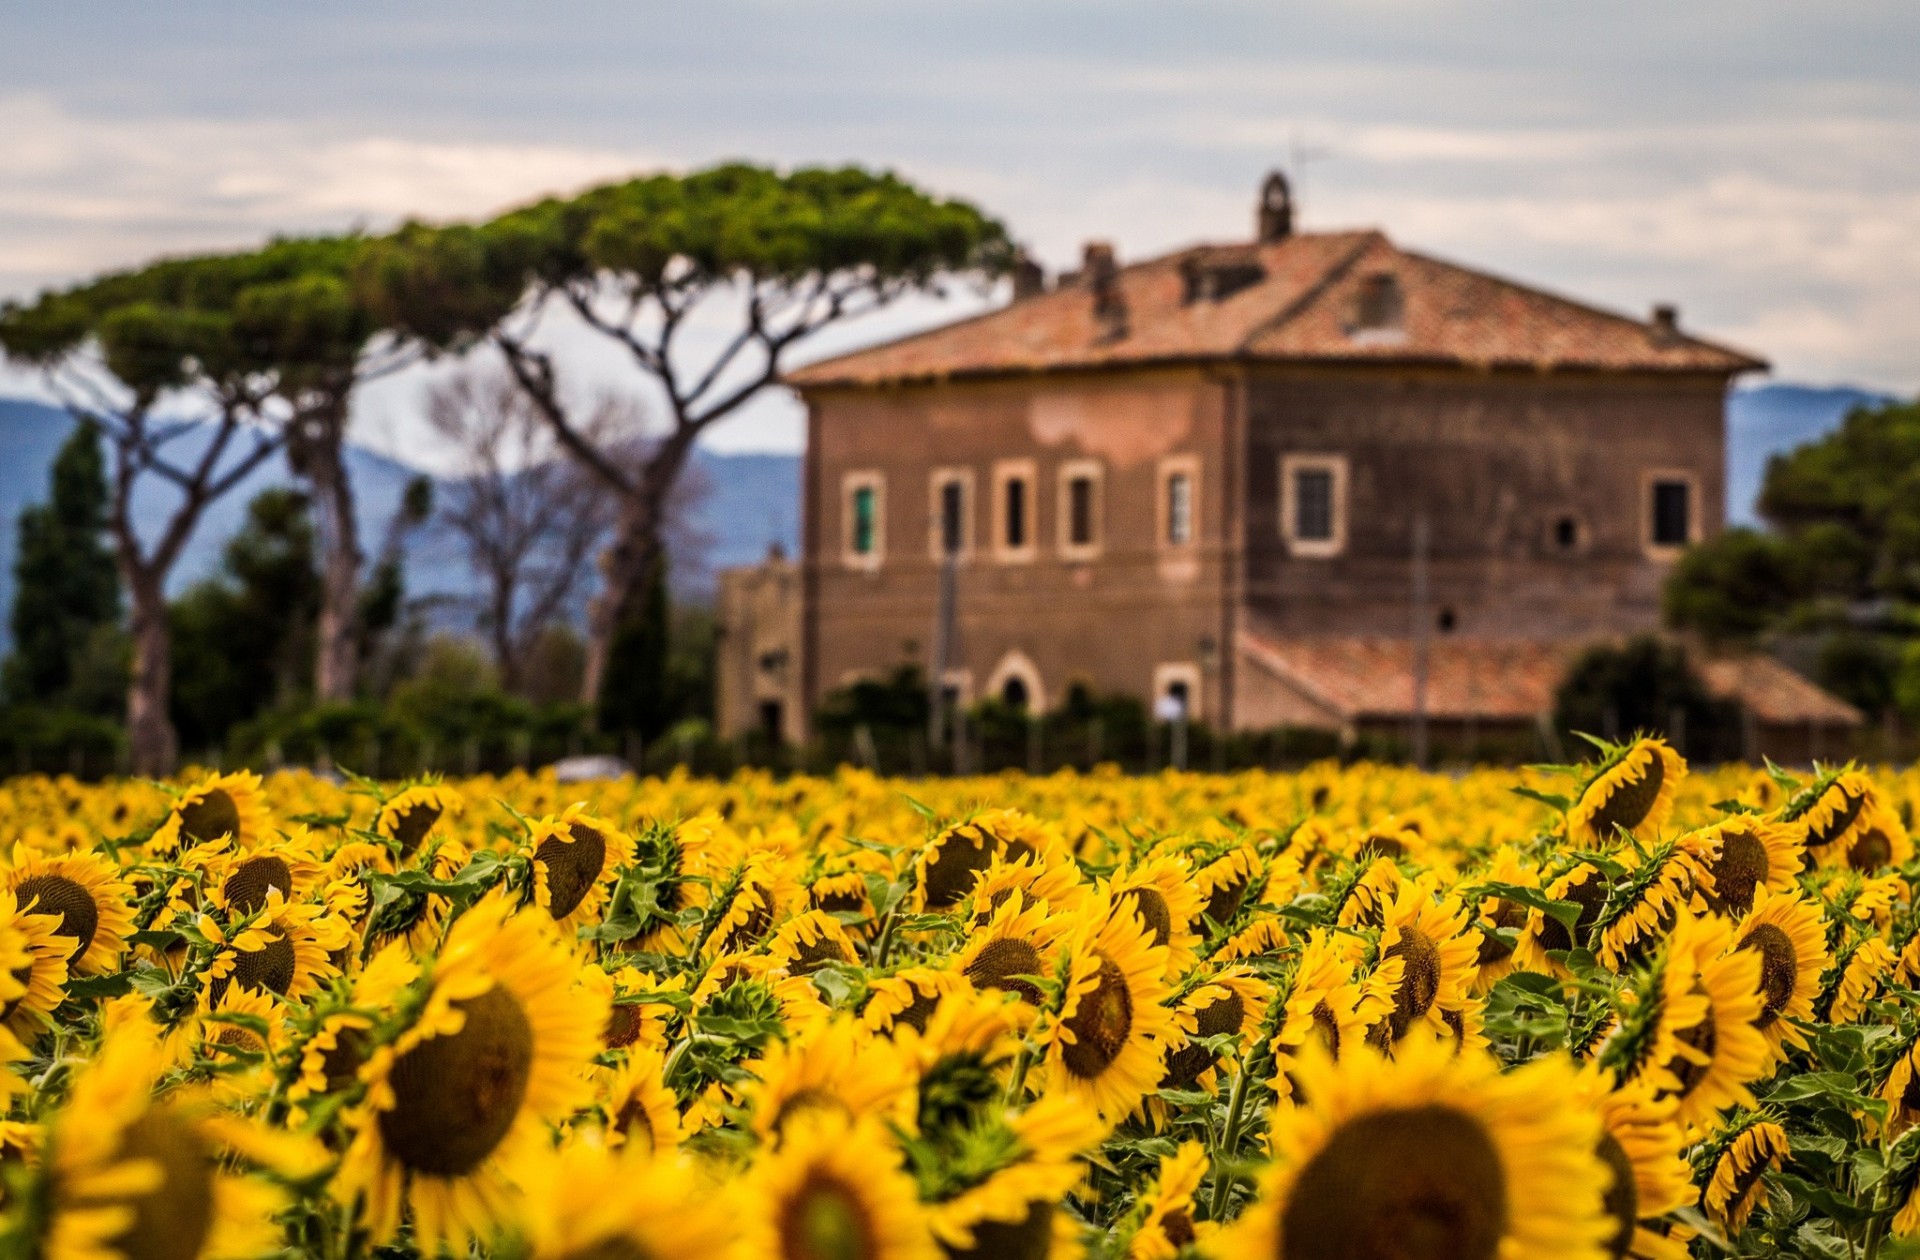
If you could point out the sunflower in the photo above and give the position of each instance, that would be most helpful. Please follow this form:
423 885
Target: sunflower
1106 1040
1738 856
1498 916
842 894
1169 1227
1833 812
1229 1003
38 955
1642 907
1743 1155
423 915
810 941
498 1047
748 903
1261 936
1439 957
1018 945
1327 1007
1863 975
834 1188
833 1065
589 1200
1363 901
1225 883
907 998
641 1111
1586 886
283 949
88 897
961 1060
1430 1154
1882 841
1012 1212
639 1006
1641 1144
410 815
239 881
220 805
953 861
574 860
330 1054
1057 883
131 1176
1788 934
1631 791
1717 1048
1161 891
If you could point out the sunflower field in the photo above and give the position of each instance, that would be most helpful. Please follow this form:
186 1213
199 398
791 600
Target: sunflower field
1615 1009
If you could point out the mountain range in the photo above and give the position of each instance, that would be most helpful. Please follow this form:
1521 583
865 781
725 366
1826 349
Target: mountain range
752 501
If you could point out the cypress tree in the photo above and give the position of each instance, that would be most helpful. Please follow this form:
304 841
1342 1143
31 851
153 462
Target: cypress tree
66 584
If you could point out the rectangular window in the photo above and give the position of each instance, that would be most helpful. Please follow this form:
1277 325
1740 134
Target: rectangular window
1672 513
1313 504
863 525
1080 511
1016 513
865 519
1016 503
1180 509
953 515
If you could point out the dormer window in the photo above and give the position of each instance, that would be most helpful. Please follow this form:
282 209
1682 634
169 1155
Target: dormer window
1379 311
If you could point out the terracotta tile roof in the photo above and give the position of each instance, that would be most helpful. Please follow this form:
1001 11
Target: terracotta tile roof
1297 300
1355 679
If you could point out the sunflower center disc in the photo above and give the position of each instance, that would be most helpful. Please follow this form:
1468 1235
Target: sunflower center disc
57 895
950 873
1420 984
411 825
826 1221
456 1096
212 816
1422 1183
1185 1065
1327 1026
623 1026
1628 805
171 1221
1623 1197
999 964
633 1121
1153 911
1741 868
1778 970
1029 1238
246 889
1871 851
611 1249
1703 1036
1178 1228
1100 1024
1225 900
918 1011
571 868
269 967
341 1062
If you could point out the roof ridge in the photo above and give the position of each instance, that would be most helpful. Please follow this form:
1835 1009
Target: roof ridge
1328 278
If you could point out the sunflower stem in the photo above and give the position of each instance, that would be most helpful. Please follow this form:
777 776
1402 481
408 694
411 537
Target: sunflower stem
1016 1088
885 945
1229 1142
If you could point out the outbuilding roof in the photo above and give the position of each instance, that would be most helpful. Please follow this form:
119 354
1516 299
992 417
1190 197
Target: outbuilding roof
1322 297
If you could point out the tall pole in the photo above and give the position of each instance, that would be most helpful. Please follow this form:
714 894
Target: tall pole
942 651
1422 629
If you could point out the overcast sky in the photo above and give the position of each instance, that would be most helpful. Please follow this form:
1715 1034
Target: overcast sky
1756 161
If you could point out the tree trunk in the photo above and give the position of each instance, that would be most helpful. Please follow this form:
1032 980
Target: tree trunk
151 739
626 567
316 453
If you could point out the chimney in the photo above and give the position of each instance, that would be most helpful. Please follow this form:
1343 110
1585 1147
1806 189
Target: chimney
1029 277
1275 220
1664 328
1102 275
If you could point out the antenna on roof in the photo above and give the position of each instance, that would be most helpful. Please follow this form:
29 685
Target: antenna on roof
1299 153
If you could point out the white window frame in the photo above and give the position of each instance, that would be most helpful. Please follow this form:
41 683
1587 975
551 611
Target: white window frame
1334 464
939 480
851 483
1648 480
1170 467
1166 674
1071 471
1017 664
1005 471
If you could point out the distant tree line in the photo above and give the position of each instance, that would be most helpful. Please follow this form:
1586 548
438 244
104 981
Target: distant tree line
192 372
